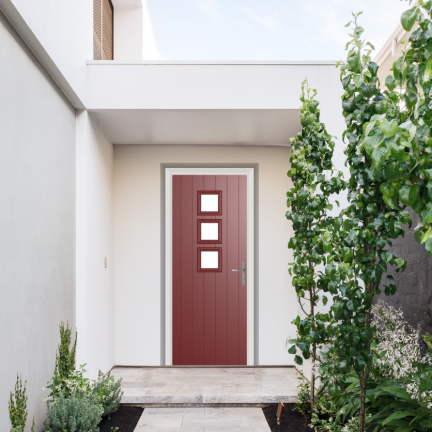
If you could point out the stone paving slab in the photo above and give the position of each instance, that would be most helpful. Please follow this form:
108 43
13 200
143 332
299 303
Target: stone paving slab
202 420
214 385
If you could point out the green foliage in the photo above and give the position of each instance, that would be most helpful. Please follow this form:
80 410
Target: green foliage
407 155
373 218
18 407
65 363
389 406
314 180
303 392
75 384
326 417
428 339
72 414
108 392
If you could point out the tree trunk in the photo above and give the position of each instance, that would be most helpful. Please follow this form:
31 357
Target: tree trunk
362 413
312 388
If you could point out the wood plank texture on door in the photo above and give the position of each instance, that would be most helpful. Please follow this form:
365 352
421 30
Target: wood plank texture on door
209 308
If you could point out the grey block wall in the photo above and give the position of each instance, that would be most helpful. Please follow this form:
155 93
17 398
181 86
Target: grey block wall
414 294
37 223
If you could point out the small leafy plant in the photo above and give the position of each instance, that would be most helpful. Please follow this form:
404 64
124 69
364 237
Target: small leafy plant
18 408
302 406
64 370
72 414
108 392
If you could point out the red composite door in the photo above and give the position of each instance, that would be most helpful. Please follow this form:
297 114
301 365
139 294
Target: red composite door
209 241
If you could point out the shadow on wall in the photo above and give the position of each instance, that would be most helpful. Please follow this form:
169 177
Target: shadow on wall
414 286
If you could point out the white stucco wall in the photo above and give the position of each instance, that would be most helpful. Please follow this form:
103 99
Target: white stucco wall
64 29
95 289
37 223
137 246
133 32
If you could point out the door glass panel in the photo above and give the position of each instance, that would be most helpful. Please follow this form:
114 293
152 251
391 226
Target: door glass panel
209 259
209 203
209 231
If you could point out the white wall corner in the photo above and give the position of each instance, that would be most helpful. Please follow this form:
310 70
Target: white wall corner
81 234
133 31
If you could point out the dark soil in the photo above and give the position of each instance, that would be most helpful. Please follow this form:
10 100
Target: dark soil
125 418
291 420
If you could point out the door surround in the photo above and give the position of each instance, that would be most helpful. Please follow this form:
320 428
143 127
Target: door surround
249 172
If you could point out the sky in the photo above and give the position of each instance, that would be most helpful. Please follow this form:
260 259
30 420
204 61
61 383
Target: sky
266 29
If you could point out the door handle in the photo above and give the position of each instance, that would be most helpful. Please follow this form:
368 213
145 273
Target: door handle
243 270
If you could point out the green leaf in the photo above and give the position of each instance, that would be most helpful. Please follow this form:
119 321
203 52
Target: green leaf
373 141
392 171
408 18
387 256
389 128
324 300
352 305
408 194
298 360
347 255
292 350
400 262
354 339
428 71
428 245
354 60
304 328
398 415
404 217
426 235
379 156
404 428
330 271
389 82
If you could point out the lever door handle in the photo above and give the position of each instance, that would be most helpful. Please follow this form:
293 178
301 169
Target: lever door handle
243 269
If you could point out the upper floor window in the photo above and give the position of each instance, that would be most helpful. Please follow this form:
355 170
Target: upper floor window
103 30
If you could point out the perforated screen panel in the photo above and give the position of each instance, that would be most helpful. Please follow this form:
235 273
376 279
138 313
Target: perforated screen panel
103 30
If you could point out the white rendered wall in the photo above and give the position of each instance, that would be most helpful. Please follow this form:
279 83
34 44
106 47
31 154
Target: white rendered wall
65 30
133 32
211 85
37 223
95 289
137 245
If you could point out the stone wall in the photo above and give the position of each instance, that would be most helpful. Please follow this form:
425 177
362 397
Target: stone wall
414 293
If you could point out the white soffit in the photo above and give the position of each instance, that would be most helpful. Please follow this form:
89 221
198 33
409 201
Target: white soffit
212 126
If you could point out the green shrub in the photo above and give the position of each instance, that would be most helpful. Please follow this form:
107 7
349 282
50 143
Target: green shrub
73 414
65 362
303 392
108 392
75 385
18 408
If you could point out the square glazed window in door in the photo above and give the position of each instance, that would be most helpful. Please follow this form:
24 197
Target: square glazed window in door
209 260
209 203
209 231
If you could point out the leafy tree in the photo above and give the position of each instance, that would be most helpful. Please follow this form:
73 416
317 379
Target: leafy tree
309 199
409 168
359 258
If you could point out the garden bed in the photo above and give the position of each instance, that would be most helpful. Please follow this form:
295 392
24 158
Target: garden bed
125 418
292 421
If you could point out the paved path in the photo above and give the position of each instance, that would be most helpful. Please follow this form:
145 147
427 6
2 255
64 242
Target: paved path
146 385
202 420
